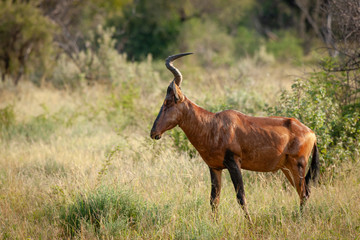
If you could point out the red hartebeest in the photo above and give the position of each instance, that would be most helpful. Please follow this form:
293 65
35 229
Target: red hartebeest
232 140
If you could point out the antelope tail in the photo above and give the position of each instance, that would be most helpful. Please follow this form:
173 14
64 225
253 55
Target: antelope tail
313 171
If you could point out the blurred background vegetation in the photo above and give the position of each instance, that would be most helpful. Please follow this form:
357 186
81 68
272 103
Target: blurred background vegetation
36 34
67 44
82 81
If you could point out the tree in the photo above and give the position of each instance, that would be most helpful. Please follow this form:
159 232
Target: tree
26 38
147 27
344 28
344 17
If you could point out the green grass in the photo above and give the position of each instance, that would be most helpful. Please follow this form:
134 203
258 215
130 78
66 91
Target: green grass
110 211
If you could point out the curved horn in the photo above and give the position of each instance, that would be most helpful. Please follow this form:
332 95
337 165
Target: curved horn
174 70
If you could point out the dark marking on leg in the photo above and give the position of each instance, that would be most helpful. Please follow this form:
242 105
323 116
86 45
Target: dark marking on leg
215 175
235 173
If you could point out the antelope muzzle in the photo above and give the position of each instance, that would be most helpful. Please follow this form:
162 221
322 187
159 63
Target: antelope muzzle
154 133
156 137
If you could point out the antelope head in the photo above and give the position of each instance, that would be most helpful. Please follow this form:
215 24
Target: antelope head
171 111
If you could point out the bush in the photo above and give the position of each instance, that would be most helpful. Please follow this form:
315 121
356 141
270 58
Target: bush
313 101
286 47
26 39
247 41
147 28
214 47
39 127
182 142
114 210
7 117
98 62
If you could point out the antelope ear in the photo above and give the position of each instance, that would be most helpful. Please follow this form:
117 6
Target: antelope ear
177 92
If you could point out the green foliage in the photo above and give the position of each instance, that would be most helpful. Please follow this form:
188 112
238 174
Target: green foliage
123 98
245 100
162 27
120 106
313 101
117 109
283 46
247 41
26 38
182 142
7 117
101 63
231 13
111 7
286 46
100 59
39 127
110 210
98 62
107 163
147 28
276 15
194 226
218 31
214 47
66 74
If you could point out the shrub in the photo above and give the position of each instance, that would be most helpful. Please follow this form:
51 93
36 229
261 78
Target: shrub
247 41
37 128
286 47
65 74
114 210
245 100
182 142
26 38
313 101
99 62
40 127
213 48
7 117
147 28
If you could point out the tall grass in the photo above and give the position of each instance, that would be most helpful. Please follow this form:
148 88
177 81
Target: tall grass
80 164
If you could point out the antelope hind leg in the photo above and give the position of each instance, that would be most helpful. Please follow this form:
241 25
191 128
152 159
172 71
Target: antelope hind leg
294 171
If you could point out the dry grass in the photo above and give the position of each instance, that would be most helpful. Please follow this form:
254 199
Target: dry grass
42 177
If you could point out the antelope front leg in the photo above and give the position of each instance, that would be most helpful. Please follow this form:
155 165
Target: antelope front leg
215 175
235 173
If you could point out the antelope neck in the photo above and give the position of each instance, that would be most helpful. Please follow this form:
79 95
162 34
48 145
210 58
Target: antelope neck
196 122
